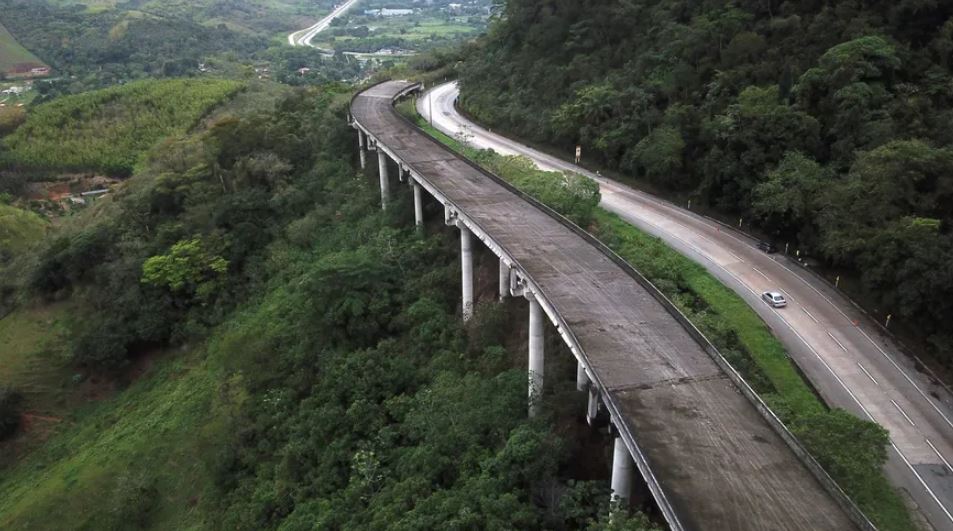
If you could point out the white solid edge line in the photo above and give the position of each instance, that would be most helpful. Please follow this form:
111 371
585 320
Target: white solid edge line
922 482
528 152
938 454
872 342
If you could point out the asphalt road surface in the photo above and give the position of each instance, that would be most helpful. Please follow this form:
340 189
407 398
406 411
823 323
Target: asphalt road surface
717 460
305 36
847 359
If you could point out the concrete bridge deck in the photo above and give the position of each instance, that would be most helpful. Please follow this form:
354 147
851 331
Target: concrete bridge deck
712 460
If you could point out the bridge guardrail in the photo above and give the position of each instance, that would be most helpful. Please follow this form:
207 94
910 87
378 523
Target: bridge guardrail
821 475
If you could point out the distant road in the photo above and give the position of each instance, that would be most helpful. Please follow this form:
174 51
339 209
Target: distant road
305 36
847 359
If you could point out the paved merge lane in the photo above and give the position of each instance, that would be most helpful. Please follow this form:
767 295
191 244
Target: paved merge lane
718 461
848 361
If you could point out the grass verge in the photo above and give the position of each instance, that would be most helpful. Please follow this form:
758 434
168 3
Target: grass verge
851 450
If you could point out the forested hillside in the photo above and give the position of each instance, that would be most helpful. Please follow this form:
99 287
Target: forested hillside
109 42
287 355
109 130
107 46
827 121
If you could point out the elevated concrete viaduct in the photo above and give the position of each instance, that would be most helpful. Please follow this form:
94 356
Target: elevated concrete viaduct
712 454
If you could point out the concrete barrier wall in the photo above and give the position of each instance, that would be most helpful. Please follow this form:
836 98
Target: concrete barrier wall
831 486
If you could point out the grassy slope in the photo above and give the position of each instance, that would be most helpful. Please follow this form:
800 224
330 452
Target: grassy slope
103 461
12 53
108 130
248 16
398 28
789 390
31 359
19 229
119 453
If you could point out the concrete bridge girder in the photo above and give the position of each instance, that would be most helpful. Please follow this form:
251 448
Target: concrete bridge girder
521 285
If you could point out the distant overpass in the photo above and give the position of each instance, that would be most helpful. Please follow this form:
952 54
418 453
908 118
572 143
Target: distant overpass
711 453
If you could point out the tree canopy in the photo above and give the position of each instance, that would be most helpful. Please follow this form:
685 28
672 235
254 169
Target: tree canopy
826 121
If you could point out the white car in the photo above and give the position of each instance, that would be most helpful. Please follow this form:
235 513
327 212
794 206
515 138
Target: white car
774 299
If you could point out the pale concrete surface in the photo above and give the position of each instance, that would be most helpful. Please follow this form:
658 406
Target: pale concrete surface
305 36
717 459
853 366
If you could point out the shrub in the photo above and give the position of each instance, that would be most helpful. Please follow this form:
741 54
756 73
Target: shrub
10 402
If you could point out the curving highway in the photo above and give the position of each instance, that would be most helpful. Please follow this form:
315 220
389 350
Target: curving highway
852 365
305 36
712 459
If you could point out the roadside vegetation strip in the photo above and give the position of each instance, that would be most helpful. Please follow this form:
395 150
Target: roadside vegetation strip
852 450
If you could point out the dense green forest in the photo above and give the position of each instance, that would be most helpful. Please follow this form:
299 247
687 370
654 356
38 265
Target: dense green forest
125 41
853 451
108 46
827 120
109 130
293 357
18 228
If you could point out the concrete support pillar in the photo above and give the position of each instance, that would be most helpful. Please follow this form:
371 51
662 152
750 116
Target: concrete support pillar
466 260
504 280
582 381
592 408
536 356
360 142
622 466
418 206
385 178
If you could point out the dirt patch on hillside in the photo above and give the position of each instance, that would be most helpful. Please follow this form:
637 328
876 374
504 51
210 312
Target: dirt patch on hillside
68 185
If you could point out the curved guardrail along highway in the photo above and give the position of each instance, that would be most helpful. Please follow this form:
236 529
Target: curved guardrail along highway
712 457
848 360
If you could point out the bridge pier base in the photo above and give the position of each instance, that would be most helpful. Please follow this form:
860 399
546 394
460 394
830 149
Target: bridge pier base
582 381
536 356
622 467
385 178
504 280
466 261
592 408
418 206
360 143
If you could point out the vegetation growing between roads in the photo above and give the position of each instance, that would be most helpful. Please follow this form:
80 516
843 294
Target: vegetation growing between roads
851 450
827 122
